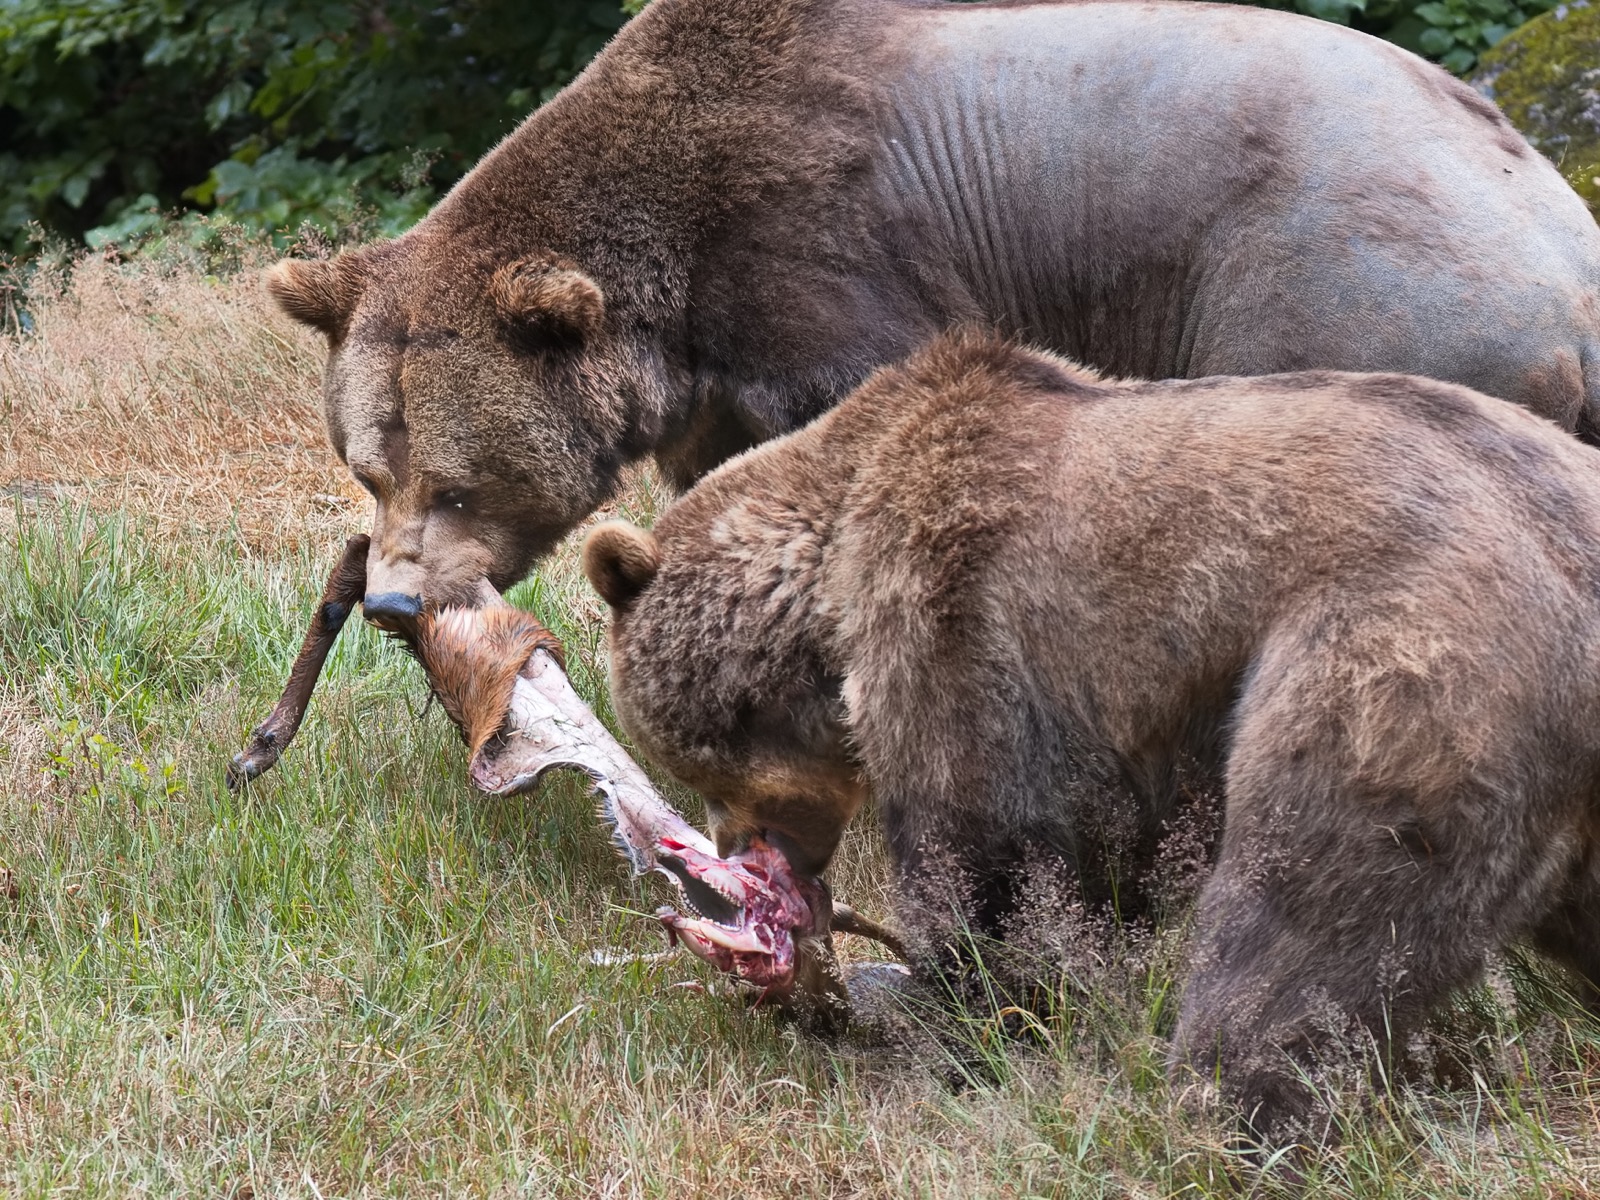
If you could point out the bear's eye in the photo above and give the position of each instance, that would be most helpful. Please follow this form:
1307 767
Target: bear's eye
453 498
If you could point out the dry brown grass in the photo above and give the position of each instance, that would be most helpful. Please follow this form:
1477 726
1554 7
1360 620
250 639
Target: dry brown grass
163 390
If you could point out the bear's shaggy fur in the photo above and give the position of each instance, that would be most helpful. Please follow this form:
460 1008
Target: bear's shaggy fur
740 209
1007 598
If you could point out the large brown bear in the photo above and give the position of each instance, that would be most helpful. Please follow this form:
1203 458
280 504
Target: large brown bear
740 209
999 594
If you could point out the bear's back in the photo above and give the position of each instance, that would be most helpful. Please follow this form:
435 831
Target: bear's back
981 482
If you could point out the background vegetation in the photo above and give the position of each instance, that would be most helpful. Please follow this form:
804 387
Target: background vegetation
270 112
351 116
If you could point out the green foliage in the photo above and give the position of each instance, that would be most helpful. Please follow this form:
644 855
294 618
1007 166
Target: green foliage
1459 31
115 114
270 113
1452 33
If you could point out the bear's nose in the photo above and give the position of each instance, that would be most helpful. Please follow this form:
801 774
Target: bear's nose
394 611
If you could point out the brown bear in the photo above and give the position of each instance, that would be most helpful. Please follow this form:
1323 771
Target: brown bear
740 209
996 592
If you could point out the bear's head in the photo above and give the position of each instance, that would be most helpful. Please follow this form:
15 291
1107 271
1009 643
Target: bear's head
487 406
719 677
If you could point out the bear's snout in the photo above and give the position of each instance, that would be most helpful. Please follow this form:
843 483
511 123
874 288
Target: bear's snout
396 612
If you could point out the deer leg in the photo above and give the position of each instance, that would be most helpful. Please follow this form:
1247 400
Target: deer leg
347 583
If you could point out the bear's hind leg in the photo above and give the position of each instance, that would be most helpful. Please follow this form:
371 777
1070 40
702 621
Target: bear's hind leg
1383 833
1301 967
1344 907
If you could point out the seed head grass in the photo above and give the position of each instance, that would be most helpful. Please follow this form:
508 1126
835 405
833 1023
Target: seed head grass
357 977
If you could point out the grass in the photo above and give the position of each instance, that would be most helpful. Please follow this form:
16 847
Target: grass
359 977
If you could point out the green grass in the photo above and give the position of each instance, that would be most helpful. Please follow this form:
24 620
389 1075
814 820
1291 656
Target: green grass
359 977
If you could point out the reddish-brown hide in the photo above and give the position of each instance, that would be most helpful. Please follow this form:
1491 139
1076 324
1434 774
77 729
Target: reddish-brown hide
476 659
472 675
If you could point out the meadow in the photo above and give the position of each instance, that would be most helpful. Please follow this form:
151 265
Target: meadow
358 977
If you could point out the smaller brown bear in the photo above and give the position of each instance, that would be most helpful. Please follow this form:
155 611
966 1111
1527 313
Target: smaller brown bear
999 593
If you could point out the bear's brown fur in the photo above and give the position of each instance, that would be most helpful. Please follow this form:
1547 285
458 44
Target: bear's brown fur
740 209
1000 594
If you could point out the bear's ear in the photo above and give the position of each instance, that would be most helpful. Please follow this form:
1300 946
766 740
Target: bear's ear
549 295
317 292
620 561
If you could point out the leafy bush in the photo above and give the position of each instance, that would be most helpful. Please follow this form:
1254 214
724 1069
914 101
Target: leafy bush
352 116
1451 32
1459 31
271 112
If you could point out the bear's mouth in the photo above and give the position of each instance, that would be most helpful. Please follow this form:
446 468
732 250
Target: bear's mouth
742 914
